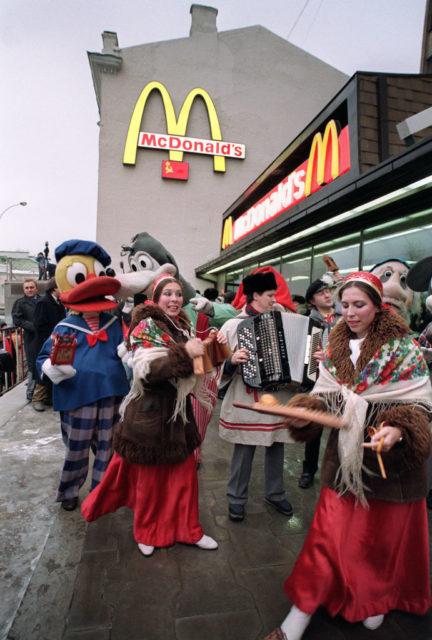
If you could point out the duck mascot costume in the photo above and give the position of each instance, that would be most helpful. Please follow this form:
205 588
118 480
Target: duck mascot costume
80 357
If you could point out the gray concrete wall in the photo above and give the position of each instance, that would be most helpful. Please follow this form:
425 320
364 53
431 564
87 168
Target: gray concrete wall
265 91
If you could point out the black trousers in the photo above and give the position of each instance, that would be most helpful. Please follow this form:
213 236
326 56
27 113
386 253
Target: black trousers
312 448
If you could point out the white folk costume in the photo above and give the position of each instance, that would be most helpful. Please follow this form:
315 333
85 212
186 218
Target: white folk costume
240 426
367 551
247 429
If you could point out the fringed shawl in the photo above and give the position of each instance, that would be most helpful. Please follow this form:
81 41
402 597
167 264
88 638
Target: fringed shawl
388 373
149 342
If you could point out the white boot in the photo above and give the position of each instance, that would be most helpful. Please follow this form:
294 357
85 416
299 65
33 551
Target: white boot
295 623
373 622
207 543
145 549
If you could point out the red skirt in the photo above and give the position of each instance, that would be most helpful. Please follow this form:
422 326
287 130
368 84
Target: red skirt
164 499
360 562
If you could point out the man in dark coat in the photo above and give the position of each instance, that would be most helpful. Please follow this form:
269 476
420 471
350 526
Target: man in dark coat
22 316
48 312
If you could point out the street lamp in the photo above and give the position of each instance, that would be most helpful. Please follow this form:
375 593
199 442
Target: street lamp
18 204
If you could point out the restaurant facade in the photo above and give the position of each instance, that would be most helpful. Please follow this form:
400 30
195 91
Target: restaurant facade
355 184
187 124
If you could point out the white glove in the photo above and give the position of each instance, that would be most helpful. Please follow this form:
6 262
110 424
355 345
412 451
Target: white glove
427 354
58 372
202 305
125 356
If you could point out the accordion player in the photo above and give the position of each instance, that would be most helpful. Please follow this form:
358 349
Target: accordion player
281 348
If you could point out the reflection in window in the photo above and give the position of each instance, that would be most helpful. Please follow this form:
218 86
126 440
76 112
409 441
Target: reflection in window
407 238
296 267
344 251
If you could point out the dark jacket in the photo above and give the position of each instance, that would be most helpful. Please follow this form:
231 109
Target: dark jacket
147 434
47 314
22 315
405 464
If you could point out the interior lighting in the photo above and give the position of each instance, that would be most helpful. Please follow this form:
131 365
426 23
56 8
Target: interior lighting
398 194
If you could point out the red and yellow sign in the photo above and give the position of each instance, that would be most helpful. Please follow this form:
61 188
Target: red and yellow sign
175 140
329 157
175 170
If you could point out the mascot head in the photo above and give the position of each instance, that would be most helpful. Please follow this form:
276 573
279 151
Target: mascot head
81 276
145 253
393 274
420 278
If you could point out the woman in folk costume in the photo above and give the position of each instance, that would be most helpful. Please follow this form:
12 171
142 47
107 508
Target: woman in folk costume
153 469
367 551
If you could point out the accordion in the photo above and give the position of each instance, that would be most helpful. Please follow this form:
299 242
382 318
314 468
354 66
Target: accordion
281 348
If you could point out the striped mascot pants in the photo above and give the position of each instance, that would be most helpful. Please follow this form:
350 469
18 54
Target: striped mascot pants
88 427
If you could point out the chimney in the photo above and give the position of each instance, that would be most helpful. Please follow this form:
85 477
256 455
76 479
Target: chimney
203 19
110 42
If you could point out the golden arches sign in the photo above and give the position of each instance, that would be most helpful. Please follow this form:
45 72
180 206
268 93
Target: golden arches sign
174 126
318 152
227 237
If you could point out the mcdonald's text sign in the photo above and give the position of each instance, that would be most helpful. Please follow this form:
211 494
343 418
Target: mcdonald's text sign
175 140
329 157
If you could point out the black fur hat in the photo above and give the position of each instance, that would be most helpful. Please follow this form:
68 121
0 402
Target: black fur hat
259 282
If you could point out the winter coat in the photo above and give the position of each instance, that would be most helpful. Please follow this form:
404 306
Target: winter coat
22 315
148 434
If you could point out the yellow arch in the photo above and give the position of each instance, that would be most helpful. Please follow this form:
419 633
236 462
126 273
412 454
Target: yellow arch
174 126
319 149
227 233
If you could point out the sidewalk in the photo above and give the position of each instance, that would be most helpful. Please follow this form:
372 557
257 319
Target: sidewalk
68 580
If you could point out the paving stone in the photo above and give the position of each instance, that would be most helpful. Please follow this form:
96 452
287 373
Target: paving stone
90 581
89 609
244 625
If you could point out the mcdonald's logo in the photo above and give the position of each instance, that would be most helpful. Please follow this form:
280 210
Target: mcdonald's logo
329 158
227 237
175 141
319 157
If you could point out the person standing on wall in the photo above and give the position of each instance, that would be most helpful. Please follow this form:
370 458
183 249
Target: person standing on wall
22 315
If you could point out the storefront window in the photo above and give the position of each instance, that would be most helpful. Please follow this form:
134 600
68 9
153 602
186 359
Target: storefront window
295 268
274 262
407 238
233 279
344 251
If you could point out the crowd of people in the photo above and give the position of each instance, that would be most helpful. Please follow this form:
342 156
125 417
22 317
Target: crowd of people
367 549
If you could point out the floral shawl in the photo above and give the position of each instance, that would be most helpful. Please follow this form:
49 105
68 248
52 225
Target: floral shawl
396 374
149 342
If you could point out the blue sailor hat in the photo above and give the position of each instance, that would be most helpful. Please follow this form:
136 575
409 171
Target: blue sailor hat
82 247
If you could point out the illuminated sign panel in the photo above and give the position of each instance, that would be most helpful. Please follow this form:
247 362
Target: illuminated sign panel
329 157
175 140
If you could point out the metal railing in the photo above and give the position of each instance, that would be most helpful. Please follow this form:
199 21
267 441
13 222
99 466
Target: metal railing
13 365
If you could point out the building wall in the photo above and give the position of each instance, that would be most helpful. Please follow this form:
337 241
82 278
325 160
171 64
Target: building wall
265 91
384 102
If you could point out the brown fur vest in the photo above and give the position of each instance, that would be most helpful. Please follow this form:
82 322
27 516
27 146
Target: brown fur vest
148 434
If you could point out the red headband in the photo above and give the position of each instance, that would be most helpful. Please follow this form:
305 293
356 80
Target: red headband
368 278
161 278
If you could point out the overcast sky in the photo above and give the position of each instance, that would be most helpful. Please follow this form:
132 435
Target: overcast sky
49 133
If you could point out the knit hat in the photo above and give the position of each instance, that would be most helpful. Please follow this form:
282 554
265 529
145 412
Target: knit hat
315 287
